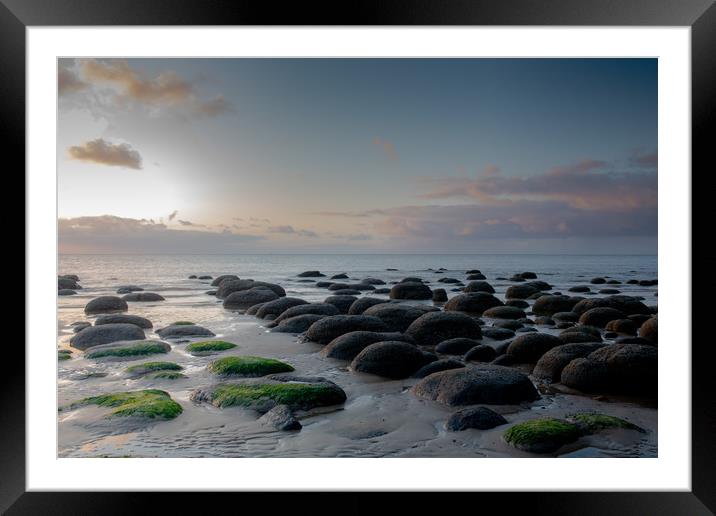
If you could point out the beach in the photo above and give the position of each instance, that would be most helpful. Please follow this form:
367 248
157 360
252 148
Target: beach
382 415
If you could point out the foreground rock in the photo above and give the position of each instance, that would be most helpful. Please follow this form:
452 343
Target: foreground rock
149 403
481 418
505 312
328 328
396 316
390 359
280 418
600 316
473 303
106 305
67 283
263 395
549 367
105 334
348 345
616 369
436 366
529 347
457 346
309 308
228 287
362 304
487 384
543 435
481 353
131 349
248 366
243 299
649 330
123 319
627 304
342 302
178 331
434 327
550 305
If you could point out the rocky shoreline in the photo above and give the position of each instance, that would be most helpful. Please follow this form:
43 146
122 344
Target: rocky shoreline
459 347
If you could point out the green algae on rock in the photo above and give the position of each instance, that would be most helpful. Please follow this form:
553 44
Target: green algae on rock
128 349
151 367
209 346
149 403
166 375
64 354
593 422
182 323
543 435
265 395
248 366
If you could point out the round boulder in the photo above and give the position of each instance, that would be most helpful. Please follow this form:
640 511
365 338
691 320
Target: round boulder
439 365
549 366
347 346
600 316
504 312
178 331
362 304
649 330
342 302
309 308
481 353
390 359
123 319
328 328
472 303
106 305
479 286
528 348
434 327
243 299
144 297
278 306
220 279
623 326
396 316
481 418
411 290
458 346
105 334
551 304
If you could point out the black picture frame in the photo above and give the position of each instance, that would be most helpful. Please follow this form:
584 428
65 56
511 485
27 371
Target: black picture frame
700 15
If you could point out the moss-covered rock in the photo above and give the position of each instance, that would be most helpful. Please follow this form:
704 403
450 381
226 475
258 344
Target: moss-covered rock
150 403
64 354
182 323
263 396
166 375
543 435
152 367
592 422
248 366
128 349
208 347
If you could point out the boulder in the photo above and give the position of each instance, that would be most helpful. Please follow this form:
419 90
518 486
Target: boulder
472 303
481 418
649 330
309 308
579 288
342 275
66 292
106 305
520 291
543 435
328 328
550 304
128 289
123 319
484 383
178 331
411 290
627 304
280 418
570 317
597 281
478 276
623 326
528 348
438 365
253 309
479 286
297 323
507 324
230 286
362 304
220 279
396 316
347 292
144 297
311 274
243 299
278 306
481 353
504 312
439 295
457 346
600 316
390 359
66 283
342 302
549 366
348 345
373 281
497 333
106 334
434 327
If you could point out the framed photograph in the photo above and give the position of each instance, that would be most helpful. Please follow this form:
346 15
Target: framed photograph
415 249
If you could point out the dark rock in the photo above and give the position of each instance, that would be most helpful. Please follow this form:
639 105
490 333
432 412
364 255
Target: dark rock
439 365
390 359
297 323
498 333
192 276
439 295
324 284
396 316
528 275
311 274
381 291
504 360
144 297
128 289
476 277
342 275
597 281
530 347
517 303
105 334
79 326
228 287
520 291
481 418
309 308
220 279
338 286
487 384
362 304
328 328
348 345
243 299
633 340
73 277
281 418
526 329
504 312
548 305
544 321
177 331
206 276
342 302
570 317
627 304
434 327
347 292
448 280
472 303
579 288
479 286
457 346
66 292
507 324
106 305
278 306
411 290
210 292
65 283
600 316
253 309
481 353
373 281
362 287
123 319
609 291
549 366
624 326
412 279
650 330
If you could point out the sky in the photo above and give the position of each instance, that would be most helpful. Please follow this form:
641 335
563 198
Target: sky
546 156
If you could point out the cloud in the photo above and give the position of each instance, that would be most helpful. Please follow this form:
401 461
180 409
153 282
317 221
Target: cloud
290 230
587 184
387 147
68 81
115 83
105 153
644 159
111 234
173 214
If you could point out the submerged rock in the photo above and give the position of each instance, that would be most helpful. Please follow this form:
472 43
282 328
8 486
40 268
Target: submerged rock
105 334
145 297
